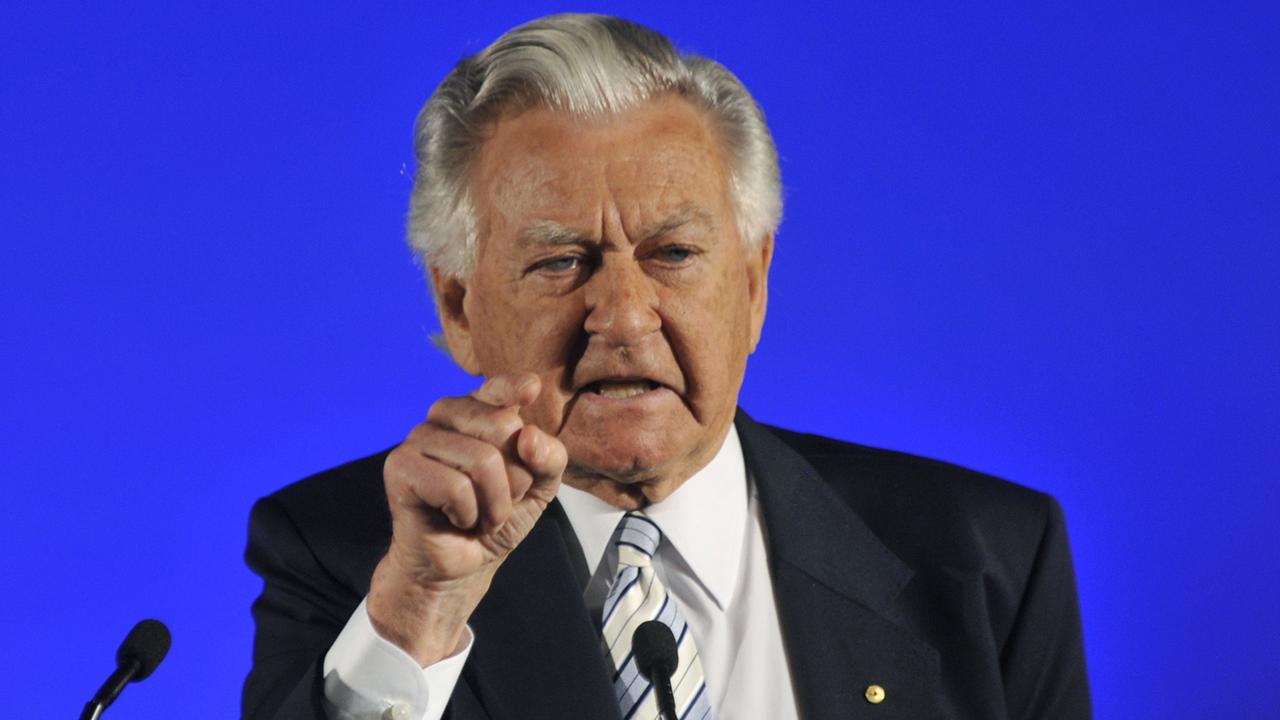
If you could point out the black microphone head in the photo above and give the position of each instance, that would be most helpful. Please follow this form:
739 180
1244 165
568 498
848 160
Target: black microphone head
147 644
655 649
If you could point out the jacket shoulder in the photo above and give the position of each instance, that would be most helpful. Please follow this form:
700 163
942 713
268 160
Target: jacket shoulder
895 471
349 488
987 556
930 511
314 543
340 515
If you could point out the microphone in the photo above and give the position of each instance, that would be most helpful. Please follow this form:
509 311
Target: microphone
656 659
142 650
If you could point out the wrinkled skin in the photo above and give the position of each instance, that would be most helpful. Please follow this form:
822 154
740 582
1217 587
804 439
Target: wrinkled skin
612 308
642 276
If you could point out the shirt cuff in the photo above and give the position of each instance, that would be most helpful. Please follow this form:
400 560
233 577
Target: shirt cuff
366 677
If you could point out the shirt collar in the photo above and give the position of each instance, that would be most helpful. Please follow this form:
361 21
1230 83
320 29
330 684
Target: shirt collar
704 520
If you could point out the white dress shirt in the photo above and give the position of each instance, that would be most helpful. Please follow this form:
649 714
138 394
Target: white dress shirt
712 560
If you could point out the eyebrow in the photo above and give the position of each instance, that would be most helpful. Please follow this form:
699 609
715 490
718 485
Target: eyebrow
684 215
550 232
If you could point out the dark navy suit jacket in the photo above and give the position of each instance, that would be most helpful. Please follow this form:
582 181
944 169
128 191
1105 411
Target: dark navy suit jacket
951 590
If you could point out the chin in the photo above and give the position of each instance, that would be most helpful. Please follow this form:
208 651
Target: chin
625 458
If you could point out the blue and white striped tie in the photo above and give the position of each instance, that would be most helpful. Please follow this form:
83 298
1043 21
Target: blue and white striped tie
636 596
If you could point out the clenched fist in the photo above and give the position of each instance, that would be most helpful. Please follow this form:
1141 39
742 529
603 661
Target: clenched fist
465 488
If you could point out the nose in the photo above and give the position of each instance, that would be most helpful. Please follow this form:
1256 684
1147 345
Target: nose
622 304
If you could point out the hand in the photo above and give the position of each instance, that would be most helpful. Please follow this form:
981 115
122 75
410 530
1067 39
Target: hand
465 488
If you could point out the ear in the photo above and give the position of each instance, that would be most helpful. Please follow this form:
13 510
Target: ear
758 261
451 297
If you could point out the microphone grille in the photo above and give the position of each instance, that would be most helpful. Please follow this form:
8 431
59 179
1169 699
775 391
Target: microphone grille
655 650
147 643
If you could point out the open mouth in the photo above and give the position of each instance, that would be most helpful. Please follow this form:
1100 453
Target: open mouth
621 389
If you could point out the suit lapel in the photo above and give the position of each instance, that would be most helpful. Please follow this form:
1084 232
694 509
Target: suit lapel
835 584
537 653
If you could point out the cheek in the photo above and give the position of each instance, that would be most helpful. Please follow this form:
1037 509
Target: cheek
496 334
522 336
712 340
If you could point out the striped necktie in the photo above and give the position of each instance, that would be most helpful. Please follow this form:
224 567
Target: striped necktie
636 596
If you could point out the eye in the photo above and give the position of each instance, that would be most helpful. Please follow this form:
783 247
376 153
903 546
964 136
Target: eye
562 264
674 254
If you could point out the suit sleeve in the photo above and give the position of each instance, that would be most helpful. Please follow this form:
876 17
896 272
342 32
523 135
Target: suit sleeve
1043 660
297 617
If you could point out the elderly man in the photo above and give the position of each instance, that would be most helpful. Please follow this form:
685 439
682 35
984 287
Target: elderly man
597 214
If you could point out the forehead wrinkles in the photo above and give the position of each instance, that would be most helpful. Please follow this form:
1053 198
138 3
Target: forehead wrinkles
544 165
523 183
529 178
669 163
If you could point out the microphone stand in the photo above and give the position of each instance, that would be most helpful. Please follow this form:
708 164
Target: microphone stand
110 690
657 657
666 698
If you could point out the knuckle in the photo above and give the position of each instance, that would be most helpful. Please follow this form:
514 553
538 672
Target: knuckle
439 409
505 422
398 468
490 461
434 440
457 493
394 464
393 478
417 436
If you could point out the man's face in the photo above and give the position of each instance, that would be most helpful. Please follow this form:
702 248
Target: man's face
610 264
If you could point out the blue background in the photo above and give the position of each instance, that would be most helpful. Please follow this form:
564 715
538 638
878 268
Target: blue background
1040 242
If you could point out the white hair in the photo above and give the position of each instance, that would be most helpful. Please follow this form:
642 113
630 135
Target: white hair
589 65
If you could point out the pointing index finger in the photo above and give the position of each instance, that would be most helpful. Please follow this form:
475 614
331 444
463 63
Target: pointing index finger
513 390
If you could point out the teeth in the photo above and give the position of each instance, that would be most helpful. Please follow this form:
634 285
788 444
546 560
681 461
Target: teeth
623 389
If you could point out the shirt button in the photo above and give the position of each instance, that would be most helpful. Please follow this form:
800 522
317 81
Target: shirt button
399 711
875 694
